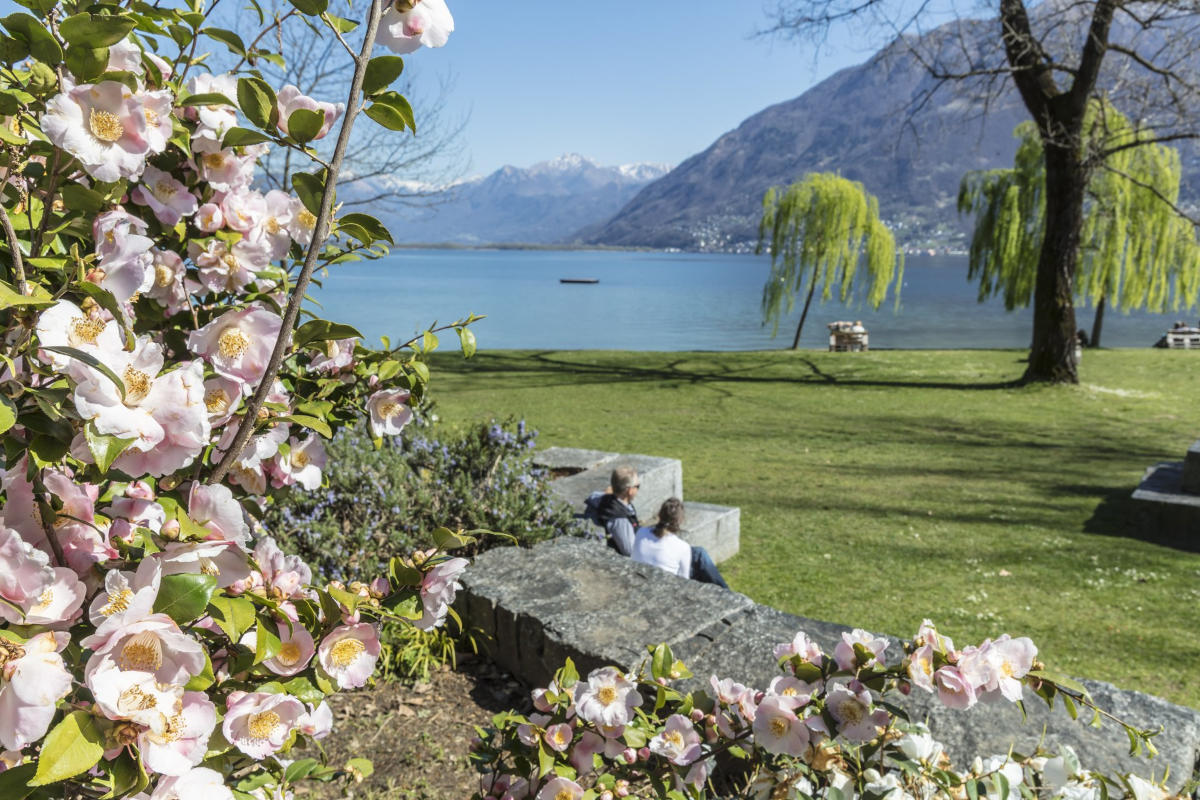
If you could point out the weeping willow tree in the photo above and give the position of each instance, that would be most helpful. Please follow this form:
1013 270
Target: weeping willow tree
818 231
1135 250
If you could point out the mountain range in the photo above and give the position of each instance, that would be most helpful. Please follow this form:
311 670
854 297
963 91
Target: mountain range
541 204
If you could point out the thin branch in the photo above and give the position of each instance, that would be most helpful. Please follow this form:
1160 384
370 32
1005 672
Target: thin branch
15 247
320 233
249 48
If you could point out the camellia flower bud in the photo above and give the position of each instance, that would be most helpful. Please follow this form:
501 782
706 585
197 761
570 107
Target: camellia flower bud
621 788
696 715
644 753
170 529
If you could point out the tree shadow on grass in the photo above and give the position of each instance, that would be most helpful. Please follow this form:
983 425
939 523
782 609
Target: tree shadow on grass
558 368
1120 516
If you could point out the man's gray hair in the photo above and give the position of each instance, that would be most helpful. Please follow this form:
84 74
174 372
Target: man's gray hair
622 478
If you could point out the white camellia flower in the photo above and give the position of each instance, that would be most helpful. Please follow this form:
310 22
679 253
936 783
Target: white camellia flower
302 464
98 400
65 325
136 696
167 197
103 125
225 561
200 783
35 679
127 595
176 402
238 343
183 741
606 698
425 23
389 411
153 644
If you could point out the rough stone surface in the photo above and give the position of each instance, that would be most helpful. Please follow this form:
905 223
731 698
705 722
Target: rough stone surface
579 599
1191 469
715 528
571 458
1167 514
660 478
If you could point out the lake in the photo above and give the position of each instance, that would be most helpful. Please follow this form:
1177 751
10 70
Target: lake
668 301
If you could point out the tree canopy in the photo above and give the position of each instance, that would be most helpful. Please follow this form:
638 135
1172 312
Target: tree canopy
1135 250
818 230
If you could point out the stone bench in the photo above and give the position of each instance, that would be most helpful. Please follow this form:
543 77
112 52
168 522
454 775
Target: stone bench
577 599
1168 502
578 473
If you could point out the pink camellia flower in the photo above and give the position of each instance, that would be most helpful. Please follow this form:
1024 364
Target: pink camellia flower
788 686
606 698
336 355
25 574
302 464
777 729
844 653
438 589
223 169
59 604
167 197
99 400
215 508
996 667
850 706
163 66
222 397
243 209
582 756
286 576
127 596
34 680
153 644
238 343
125 56
920 667
558 737
678 742
125 254
135 695
727 690
199 783
20 511
291 99
258 723
177 403
225 561
928 634
229 269
303 223
168 288
389 411
801 646
183 741
295 651
318 722
65 325
103 126
157 108
559 788
427 23
349 653
209 218
272 226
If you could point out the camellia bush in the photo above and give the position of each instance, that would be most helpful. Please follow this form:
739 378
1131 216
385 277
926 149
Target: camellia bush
827 728
155 387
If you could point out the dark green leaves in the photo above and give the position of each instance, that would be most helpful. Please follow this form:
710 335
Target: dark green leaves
184 597
95 30
234 615
322 330
311 7
104 449
228 38
381 72
33 33
392 111
86 63
240 137
303 125
309 189
365 228
73 747
257 101
206 99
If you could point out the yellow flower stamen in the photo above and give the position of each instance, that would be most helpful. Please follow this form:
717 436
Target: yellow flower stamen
105 125
263 724
345 651
232 343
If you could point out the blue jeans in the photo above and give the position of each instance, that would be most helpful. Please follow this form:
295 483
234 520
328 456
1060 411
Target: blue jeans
703 568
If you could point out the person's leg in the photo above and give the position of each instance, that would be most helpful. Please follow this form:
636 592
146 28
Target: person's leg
704 570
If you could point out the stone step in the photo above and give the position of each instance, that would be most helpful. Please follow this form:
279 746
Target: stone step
1191 469
1166 513
715 528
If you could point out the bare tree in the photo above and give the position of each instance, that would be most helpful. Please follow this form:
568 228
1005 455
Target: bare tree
383 169
1060 56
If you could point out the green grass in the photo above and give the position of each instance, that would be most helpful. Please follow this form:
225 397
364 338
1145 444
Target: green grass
877 489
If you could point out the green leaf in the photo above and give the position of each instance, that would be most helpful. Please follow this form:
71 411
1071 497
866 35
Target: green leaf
91 361
47 450
105 299
78 197
72 747
446 539
234 615
466 338
303 125
312 423
95 30
392 111
381 72
568 676
360 767
375 230
8 414
184 597
239 137
86 63
266 643
305 690
10 299
104 449
320 330
13 782
309 189
128 776
257 101
660 663
42 7
228 38
206 678
311 7
31 30
205 99
545 761
299 770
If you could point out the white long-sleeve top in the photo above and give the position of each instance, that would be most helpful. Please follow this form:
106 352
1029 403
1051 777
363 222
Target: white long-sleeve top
667 552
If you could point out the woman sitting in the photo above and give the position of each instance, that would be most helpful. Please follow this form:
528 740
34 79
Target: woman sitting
660 547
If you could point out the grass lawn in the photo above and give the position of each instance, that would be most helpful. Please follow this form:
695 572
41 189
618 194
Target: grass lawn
880 488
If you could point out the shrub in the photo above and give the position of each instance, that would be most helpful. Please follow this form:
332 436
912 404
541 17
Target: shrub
390 500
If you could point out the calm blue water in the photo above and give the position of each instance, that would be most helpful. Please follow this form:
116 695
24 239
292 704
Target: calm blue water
664 301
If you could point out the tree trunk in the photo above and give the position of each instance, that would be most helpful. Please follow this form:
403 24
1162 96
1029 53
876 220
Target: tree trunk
1097 323
804 313
1052 356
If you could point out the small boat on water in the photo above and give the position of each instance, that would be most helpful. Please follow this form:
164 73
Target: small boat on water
578 280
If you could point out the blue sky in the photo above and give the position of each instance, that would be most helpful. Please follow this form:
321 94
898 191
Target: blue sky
618 82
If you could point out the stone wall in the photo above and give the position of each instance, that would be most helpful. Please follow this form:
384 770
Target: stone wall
571 598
